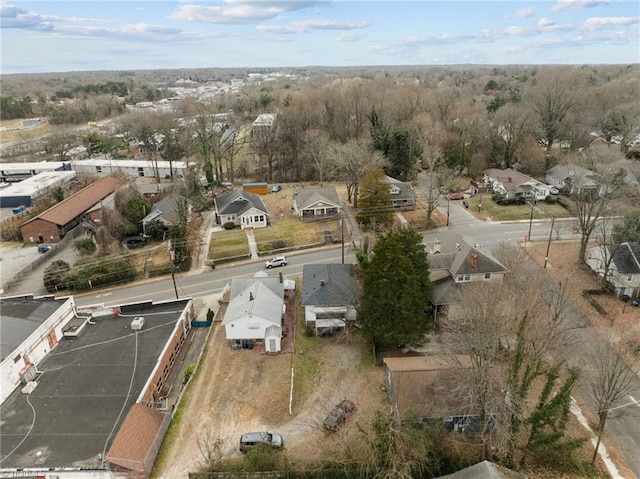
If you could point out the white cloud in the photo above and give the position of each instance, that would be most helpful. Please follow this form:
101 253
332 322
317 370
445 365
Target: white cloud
546 24
306 25
349 37
241 11
522 13
597 23
578 4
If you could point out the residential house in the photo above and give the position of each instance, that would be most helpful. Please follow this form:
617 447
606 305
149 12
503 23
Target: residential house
621 264
455 263
263 124
420 389
53 224
255 312
572 178
316 203
512 184
166 212
403 196
241 208
329 296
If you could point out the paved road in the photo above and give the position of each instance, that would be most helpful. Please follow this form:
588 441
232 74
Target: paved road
203 283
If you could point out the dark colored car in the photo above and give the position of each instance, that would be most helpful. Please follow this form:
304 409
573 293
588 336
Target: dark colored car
43 248
339 415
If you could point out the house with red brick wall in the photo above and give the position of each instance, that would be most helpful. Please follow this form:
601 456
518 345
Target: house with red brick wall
53 224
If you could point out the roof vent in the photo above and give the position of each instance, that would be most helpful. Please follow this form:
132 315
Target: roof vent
137 323
322 282
250 296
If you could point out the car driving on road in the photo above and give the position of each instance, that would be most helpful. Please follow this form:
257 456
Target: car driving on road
275 262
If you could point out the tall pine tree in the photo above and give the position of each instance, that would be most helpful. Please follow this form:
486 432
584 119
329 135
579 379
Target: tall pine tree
395 307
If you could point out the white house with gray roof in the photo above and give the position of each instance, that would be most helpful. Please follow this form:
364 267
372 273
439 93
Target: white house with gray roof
315 203
255 311
621 264
241 208
329 296
403 196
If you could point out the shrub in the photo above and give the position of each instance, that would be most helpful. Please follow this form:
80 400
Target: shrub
550 200
229 225
54 275
633 155
188 372
85 246
100 273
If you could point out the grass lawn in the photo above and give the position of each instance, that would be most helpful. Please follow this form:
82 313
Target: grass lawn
292 232
228 243
490 209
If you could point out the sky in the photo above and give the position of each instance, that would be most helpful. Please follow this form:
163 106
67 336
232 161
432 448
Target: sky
59 36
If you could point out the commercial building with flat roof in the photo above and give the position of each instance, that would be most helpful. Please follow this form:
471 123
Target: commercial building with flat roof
98 402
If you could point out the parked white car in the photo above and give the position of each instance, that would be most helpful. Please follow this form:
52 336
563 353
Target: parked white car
277 261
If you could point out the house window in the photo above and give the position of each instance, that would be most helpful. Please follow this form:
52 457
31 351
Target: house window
98 169
464 277
231 217
140 171
487 276
253 326
629 277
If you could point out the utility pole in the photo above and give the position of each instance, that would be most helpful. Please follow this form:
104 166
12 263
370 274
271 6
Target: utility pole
172 257
448 201
530 221
342 234
546 256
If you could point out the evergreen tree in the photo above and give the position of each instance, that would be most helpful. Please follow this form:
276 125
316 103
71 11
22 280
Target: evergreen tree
375 200
395 308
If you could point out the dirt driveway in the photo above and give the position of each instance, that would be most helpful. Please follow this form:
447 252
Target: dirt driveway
242 391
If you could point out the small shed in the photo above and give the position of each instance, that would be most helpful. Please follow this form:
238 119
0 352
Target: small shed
260 188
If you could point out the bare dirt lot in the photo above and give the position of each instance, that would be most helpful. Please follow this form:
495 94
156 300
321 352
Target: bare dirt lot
242 391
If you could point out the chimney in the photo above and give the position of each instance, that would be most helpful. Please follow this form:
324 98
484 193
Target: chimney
509 179
436 246
250 296
474 261
322 282
280 276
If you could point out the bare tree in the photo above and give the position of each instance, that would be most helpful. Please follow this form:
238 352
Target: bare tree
352 160
511 123
315 146
553 99
592 196
614 380
60 144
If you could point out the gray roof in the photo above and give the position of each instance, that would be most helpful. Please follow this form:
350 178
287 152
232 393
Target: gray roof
259 297
20 316
485 470
444 292
84 386
328 285
456 256
306 197
166 210
486 263
626 257
405 190
569 170
238 202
